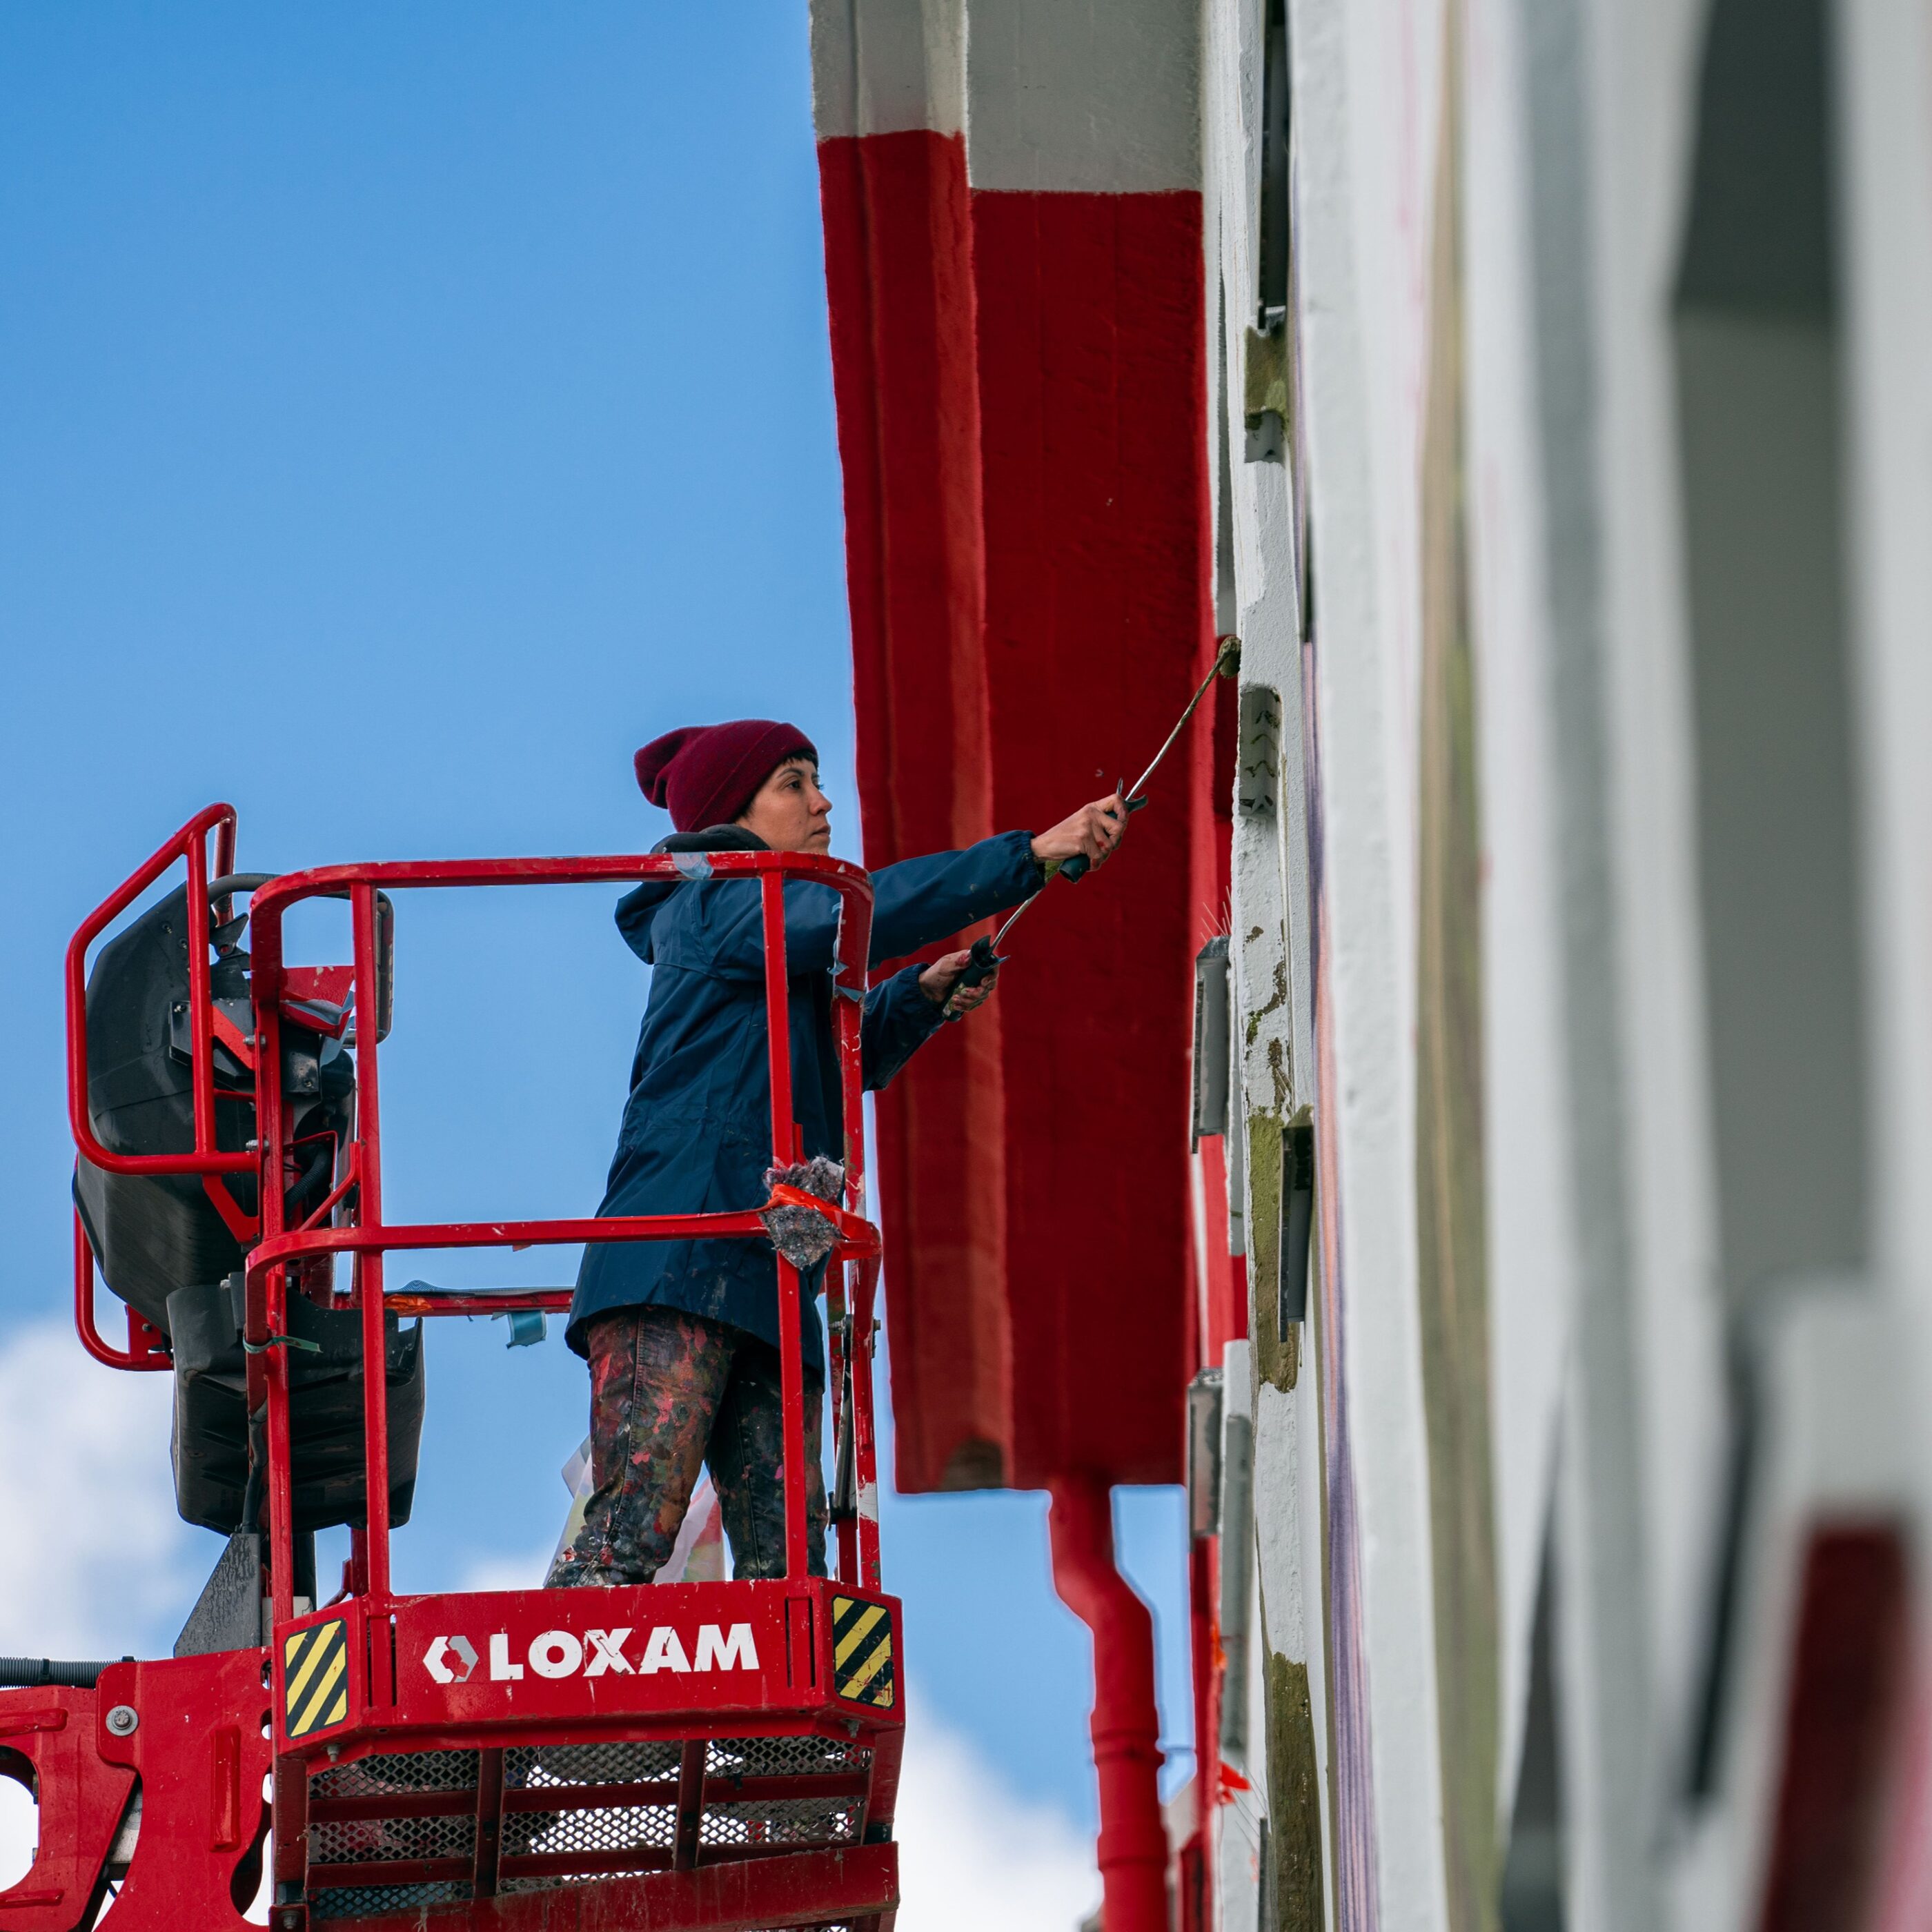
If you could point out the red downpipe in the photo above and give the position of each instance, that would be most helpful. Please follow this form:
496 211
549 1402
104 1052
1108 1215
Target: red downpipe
1133 1849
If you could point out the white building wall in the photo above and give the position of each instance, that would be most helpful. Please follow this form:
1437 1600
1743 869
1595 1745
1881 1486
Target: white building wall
1885 107
1883 50
1362 246
1270 948
1608 1342
1361 208
1531 1154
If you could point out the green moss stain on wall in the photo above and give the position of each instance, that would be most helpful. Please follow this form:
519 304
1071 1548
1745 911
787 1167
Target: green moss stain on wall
1294 1803
1277 1357
1277 999
1453 1260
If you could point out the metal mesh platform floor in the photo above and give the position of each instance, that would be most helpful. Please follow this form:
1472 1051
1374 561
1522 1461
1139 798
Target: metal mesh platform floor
394 1832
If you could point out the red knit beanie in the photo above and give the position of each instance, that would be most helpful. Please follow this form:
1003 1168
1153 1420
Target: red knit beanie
707 774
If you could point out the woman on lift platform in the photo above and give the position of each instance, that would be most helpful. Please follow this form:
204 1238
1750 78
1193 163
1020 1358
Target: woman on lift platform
682 1336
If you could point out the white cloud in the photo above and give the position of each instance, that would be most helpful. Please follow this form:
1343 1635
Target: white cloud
93 1558
972 1853
499 1572
19 1819
91 1552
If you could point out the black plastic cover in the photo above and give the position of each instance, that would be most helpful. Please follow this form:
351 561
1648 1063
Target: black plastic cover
213 1453
164 1249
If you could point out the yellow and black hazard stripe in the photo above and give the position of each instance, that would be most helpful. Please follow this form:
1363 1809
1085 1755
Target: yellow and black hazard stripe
315 1677
861 1651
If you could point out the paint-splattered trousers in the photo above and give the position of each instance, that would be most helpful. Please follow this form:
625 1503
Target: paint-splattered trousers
670 1392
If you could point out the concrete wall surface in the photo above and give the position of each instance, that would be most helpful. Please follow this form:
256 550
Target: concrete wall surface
1589 524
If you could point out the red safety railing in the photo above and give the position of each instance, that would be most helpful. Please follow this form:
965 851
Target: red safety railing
353 1208
190 843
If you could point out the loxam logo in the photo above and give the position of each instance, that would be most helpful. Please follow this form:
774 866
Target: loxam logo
561 1653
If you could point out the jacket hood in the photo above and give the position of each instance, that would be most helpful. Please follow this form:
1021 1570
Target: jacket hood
638 909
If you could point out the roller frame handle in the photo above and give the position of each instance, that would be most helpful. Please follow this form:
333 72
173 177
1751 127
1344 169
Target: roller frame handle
1074 869
981 968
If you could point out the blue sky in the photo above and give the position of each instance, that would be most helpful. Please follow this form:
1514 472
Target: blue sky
404 412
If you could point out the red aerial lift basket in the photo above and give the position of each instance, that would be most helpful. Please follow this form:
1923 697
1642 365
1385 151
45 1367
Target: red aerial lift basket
712 1754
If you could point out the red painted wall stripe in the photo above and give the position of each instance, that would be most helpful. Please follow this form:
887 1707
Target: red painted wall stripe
1847 1678
1091 362
1021 403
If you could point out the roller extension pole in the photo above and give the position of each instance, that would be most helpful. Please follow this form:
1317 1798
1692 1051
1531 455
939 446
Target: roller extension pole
987 957
1132 1850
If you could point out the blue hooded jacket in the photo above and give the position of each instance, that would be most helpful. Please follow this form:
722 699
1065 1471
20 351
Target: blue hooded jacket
697 1133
